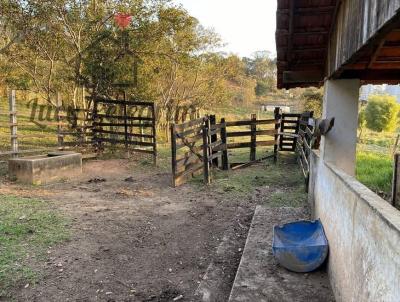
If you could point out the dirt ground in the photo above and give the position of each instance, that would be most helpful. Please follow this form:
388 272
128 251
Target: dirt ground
135 238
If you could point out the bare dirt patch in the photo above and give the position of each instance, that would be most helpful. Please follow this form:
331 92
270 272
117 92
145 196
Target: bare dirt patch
135 238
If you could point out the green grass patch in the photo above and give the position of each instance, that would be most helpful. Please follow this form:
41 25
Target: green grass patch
27 228
244 182
375 171
290 197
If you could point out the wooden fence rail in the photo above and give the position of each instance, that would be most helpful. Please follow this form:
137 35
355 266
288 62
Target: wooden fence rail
199 145
120 127
255 136
186 150
62 128
304 144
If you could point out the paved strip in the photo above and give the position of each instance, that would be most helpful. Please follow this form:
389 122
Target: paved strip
261 279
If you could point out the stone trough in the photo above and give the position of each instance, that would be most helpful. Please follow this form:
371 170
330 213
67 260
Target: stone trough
44 169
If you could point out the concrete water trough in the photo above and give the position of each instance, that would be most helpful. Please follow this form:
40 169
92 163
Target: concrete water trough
44 169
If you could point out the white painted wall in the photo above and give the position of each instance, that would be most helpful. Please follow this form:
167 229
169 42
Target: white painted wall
363 231
341 99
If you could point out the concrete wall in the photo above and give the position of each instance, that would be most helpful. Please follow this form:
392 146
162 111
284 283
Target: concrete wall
44 169
363 232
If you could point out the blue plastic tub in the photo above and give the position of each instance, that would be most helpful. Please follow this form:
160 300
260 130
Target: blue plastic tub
300 246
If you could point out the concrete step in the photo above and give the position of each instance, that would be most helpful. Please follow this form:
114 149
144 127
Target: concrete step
259 277
216 284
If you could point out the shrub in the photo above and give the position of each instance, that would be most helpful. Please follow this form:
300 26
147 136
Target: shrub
381 113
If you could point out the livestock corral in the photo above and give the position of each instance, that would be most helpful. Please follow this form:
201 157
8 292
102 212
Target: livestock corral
115 231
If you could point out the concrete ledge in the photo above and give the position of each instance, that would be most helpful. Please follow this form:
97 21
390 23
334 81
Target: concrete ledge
45 169
363 231
261 279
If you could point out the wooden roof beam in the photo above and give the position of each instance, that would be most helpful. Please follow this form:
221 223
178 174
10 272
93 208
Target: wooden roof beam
309 76
308 10
376 53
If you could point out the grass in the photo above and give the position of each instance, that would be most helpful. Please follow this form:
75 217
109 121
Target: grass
280 184
27 229
375 171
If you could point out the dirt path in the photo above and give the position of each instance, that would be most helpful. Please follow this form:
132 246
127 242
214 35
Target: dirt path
135 238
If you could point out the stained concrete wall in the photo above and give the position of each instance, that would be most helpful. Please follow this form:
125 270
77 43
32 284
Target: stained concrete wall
44 169
363 231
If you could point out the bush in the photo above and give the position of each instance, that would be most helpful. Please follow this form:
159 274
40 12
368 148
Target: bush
381 113
313 99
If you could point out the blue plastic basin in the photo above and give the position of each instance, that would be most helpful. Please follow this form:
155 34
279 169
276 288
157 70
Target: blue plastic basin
300 246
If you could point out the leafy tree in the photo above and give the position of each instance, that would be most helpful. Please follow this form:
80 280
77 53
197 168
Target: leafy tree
262 68
313 99
381 113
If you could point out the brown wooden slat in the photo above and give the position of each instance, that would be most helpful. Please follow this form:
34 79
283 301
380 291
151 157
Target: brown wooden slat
220 147
188 173
118 141
291 115
192 123
195 149
121 117
289 127
248 145
189 158
192 131
271 132
249 122
213 156
97 124
190 140
238 123
128 103
123 133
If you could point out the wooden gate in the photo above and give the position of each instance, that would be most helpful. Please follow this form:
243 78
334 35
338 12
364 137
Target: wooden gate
289 131
196 147
128 123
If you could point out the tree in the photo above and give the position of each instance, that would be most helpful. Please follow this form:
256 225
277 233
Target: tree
313 99
262 68
381 113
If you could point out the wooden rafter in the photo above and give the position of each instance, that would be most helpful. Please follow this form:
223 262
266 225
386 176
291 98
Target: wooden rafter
376 53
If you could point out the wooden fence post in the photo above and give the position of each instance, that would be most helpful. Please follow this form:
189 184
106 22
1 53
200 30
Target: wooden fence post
277 127
253 144
214 138
95 140
13 123
396 144
154 132
173 154
206 151
60 136
396 182
224 139
125 122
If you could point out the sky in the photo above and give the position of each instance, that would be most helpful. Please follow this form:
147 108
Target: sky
245 26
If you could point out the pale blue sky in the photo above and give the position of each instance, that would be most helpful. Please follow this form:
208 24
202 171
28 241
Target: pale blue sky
245 26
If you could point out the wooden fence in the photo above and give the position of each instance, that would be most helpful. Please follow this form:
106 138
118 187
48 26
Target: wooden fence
124 122
186 150
304 143
288 131
259 133
198 146
41 128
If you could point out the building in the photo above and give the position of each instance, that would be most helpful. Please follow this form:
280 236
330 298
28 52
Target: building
342 45
367 90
